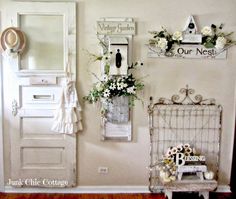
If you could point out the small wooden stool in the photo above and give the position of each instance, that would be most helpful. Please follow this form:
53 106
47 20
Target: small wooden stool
201 186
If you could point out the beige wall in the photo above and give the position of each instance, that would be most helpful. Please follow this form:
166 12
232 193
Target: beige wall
127 162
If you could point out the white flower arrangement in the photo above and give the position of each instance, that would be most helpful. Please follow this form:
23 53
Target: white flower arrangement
108 88
207 31
162 43
164 40
212 37
112 86
177 36
220 42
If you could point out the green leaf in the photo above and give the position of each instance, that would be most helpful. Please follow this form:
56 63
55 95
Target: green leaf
98 58
107 69
209 45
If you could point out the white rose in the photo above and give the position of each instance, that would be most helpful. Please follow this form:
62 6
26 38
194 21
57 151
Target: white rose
177 36
162 43
220 43
207 31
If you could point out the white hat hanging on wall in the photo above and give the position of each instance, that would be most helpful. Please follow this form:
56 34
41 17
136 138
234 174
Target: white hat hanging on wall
12 41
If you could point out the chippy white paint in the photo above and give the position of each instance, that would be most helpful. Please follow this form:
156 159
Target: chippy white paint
29 102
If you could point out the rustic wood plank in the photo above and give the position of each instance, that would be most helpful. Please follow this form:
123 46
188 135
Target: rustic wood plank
190 185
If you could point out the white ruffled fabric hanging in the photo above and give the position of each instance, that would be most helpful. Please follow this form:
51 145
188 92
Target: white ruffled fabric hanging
67 117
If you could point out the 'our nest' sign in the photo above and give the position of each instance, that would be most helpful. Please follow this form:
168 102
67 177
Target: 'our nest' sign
188 51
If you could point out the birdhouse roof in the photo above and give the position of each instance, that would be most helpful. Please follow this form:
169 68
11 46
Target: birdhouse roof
190 20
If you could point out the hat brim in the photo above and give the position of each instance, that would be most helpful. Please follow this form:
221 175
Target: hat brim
22 39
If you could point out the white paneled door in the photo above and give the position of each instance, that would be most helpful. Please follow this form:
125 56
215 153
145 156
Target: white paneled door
32 86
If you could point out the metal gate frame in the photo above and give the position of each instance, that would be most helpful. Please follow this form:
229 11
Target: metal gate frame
159 140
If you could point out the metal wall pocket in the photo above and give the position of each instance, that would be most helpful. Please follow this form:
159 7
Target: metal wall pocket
117 121
118 110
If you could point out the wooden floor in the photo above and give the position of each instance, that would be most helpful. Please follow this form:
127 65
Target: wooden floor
111 196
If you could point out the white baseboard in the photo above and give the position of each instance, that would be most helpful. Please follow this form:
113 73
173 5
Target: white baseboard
81 189
95 189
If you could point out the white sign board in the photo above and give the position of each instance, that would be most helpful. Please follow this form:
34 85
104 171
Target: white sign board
192 168
116 27
117 131
188 51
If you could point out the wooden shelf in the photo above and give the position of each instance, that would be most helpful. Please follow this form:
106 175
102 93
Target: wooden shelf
190 185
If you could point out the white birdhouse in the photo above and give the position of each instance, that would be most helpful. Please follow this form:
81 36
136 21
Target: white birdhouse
190 32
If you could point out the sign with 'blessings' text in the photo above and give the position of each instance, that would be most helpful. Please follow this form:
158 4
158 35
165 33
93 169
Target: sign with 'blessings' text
181 159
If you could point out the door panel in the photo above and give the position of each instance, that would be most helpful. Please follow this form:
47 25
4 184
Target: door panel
47 157
28 124
28 128
50 29
34 25
39 157
40 97
38 153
